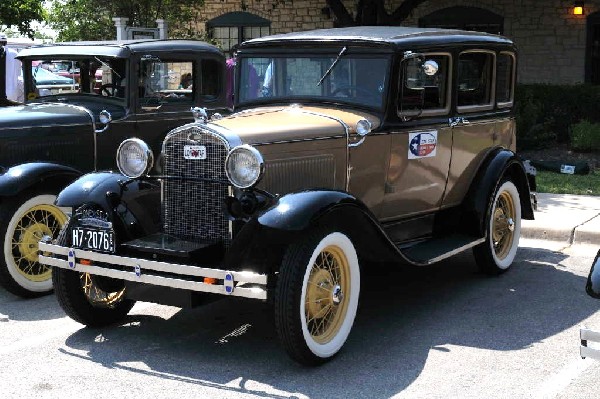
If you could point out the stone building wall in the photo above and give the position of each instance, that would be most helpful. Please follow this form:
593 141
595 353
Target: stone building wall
551 41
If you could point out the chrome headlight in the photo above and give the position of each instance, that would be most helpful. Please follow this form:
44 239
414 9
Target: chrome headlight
134 158
244 166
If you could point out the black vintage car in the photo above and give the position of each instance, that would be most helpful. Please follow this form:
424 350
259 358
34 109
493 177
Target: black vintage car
73 121
347 146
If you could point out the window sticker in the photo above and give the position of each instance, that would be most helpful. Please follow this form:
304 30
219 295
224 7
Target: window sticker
422 144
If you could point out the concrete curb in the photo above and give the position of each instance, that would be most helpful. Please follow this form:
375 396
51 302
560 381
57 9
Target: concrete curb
572 219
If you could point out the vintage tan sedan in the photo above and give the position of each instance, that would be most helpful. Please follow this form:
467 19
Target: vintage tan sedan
348 146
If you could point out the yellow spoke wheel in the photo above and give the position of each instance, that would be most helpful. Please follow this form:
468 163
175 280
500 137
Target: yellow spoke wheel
37 222
97 296
316 296
497 253
326 295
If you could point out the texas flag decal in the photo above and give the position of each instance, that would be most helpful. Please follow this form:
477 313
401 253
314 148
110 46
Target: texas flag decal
422 144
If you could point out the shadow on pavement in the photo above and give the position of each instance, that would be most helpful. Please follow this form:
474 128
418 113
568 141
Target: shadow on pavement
404 314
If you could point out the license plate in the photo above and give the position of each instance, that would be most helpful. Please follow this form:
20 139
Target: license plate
194 152
94 239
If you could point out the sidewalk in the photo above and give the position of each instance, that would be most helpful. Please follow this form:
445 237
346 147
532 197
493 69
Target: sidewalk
573 219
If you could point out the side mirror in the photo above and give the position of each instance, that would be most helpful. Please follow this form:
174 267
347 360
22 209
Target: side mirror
105 118
430 67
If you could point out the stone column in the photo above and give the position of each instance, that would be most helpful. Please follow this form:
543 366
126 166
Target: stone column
162 28
121 25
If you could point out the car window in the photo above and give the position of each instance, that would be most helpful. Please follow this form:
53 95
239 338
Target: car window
162 81
89 75
505 75
425 94
210 79
475 77
352 79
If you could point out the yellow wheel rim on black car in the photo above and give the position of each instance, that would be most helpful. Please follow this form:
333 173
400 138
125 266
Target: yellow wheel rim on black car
37 222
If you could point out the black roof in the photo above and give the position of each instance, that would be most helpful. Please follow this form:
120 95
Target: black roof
393 36
115 48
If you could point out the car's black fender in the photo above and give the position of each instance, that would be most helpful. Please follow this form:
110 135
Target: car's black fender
499 164
592 287
133 204
49 176
261 242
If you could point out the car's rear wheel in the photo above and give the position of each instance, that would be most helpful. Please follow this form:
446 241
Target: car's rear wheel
503 229
23 223
316 298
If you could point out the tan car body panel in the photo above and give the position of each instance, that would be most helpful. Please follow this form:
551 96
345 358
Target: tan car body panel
291 123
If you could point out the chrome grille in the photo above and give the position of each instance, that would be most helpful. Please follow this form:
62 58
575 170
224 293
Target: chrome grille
192 209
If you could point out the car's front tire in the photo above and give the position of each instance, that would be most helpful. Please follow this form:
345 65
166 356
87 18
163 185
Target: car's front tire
316 297
95 301
24 220
503 229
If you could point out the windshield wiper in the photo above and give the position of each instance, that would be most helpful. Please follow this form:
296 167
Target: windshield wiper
332 65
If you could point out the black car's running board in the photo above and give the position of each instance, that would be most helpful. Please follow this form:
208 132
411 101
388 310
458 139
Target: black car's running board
436 249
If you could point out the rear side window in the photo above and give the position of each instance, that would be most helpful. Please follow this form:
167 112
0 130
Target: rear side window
475 78
423 94
505 79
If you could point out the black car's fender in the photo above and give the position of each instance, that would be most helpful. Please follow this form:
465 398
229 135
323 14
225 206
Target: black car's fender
592 286
122 198
261 242
500 163
52 176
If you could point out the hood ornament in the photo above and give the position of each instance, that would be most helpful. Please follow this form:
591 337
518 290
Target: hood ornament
199 114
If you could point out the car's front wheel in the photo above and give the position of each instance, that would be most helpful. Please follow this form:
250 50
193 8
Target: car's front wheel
316 298
23 223
503 229
95 301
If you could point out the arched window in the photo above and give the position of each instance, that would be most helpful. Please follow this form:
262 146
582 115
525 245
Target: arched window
235 27
466 18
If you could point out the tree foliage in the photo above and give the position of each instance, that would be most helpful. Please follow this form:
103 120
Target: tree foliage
21 13
92 19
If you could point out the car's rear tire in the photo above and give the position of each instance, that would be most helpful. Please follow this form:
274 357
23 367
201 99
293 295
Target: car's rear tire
503 229
24 220
316 297
90 300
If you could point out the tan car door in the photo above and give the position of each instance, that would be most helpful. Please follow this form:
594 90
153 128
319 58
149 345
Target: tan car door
418 170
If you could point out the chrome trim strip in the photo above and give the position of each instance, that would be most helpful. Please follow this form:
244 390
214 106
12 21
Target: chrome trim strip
143 265
347 131
456 251
298 140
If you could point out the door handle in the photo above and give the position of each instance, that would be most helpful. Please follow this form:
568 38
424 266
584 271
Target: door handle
457 120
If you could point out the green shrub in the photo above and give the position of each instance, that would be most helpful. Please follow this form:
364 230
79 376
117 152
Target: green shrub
544 111
585 136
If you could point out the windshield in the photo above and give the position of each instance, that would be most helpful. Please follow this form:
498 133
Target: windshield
94 75
353 79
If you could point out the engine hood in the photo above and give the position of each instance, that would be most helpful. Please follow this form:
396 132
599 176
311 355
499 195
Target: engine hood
37 114
292 123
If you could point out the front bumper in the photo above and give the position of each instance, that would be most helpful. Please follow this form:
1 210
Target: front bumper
186 277
587 335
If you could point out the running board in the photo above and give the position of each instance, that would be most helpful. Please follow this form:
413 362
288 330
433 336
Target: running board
436 249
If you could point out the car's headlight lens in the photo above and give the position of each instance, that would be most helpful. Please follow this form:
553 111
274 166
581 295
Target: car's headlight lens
244 166
134 158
